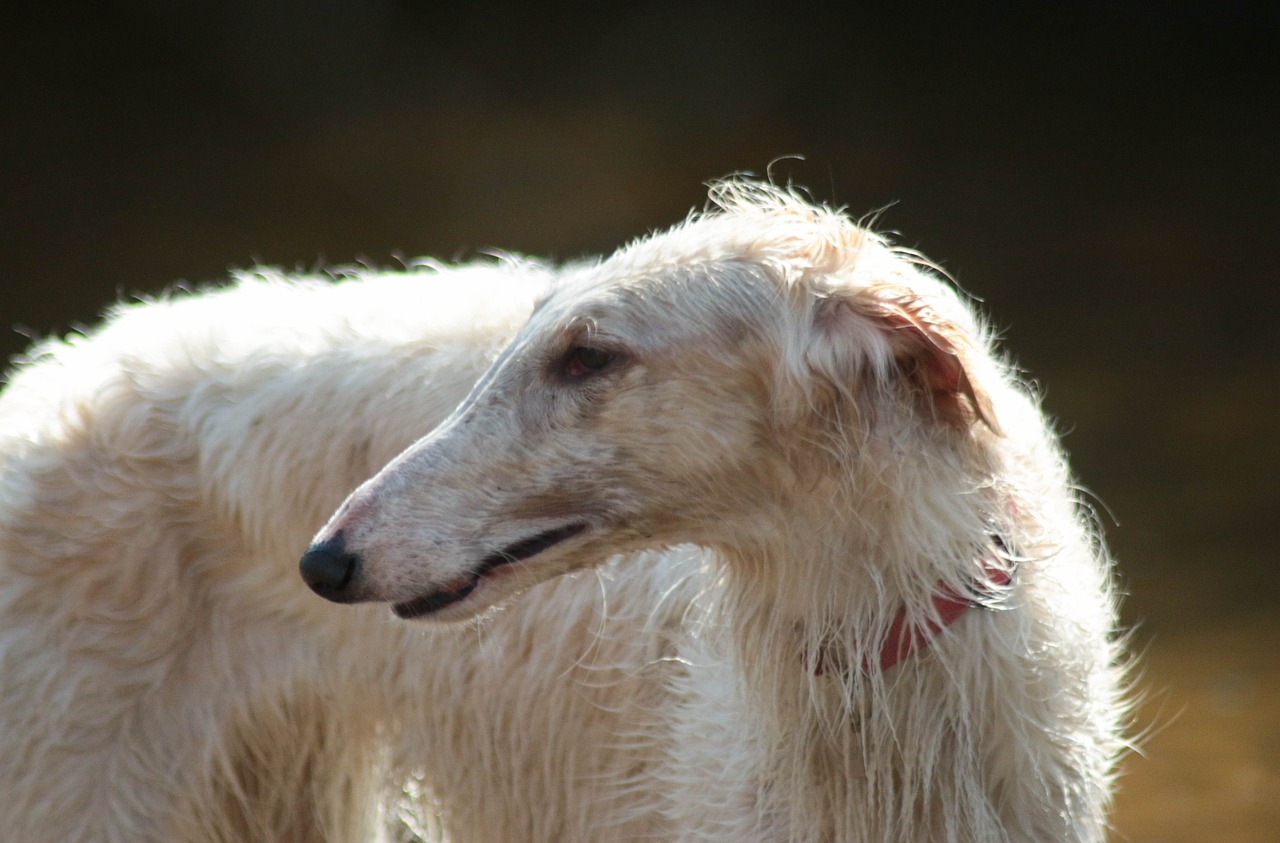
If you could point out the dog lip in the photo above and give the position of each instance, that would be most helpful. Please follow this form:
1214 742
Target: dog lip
437 600
532 546
461 587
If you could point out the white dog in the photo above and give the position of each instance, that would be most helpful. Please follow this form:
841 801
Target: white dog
766 381
776 385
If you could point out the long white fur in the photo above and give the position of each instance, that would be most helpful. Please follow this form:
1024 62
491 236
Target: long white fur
164 675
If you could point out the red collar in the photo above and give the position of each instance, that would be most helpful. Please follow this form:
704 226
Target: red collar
902 638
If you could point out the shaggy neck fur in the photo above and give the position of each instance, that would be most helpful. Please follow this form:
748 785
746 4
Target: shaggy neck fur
901 755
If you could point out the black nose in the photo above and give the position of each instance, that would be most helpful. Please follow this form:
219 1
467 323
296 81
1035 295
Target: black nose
328 567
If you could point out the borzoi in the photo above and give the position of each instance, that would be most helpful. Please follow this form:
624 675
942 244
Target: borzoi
906 633
868 605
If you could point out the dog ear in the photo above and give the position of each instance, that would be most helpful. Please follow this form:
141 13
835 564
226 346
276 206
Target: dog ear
934 354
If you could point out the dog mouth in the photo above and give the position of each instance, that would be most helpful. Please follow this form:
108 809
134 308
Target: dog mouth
461 587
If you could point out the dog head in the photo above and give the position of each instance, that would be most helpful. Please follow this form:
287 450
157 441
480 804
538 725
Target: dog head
675 392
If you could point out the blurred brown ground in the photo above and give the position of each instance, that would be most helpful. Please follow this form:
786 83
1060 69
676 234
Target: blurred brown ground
1106 181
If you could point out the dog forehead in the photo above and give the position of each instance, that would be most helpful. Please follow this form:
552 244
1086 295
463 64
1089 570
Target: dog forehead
661 299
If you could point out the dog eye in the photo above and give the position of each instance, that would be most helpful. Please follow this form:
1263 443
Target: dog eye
584 360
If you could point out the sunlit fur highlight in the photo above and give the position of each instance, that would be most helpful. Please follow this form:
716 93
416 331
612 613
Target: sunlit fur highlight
165 675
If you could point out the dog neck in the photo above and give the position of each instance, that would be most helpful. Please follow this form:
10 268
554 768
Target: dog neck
903 637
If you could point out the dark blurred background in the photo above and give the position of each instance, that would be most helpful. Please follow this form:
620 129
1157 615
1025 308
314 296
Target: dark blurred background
1105 177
